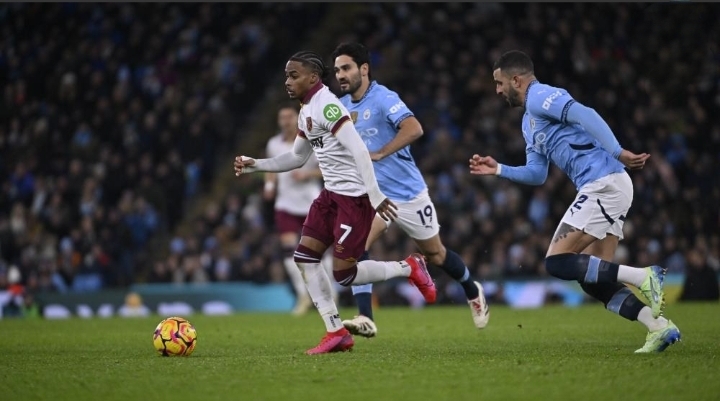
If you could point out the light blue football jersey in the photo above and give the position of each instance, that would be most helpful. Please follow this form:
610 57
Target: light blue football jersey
377 117
569 146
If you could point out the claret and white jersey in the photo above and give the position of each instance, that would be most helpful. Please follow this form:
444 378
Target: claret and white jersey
293 196
321 116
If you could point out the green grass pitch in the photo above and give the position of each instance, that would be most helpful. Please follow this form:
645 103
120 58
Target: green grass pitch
553 353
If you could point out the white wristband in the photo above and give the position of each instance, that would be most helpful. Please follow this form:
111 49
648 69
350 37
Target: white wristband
499 169
269 185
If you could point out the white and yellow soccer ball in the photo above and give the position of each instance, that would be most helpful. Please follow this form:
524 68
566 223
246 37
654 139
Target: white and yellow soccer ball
175 336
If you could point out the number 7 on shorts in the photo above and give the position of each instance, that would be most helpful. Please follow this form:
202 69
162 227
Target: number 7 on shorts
347 230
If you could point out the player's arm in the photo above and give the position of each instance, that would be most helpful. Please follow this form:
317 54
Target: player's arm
595 125
350 139
534 172
408 127
408 132
560 106
287 161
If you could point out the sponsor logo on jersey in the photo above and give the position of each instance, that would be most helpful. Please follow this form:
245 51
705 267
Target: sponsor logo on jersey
397 107
549 100
308 124
353 116
317 143
332 112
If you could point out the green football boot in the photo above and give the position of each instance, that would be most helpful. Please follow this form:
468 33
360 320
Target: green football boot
652 289
657 341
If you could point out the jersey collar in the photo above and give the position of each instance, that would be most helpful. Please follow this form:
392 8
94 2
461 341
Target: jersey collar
527 90
372 85
315 88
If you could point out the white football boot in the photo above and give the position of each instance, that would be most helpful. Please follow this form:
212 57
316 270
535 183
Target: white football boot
361 326
479 308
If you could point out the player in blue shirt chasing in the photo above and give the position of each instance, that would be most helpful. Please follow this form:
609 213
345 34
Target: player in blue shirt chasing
388 127
561 130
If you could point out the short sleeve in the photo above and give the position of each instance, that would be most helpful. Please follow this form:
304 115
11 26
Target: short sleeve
549 103
331 114
394 109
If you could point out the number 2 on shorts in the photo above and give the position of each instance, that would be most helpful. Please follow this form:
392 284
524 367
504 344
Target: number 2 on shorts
581 199
347 229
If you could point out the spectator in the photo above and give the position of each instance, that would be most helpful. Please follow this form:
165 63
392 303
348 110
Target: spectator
109 124
701 280
103 137
133 306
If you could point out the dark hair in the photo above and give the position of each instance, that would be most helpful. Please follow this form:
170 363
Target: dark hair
516 62
355 51
313 61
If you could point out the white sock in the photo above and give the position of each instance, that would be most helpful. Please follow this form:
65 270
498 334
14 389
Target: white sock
631 275
327 263
645 317
320 289
372 271
295 276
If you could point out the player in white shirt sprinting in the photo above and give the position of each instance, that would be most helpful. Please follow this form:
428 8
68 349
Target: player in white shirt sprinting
342 214
293 192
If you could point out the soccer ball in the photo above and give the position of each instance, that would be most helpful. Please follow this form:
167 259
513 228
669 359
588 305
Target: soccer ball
175 336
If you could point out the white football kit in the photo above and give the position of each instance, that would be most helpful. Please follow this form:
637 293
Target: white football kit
319 120
293 196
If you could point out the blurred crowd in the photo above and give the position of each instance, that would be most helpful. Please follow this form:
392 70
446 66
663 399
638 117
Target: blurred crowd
152 110
643 70
112 117
629 62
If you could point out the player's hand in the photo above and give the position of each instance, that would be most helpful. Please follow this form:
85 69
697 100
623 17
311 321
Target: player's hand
483 165
633 161
241 162
387 210
376 156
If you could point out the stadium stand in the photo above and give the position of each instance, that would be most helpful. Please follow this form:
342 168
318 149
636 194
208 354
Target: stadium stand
135 111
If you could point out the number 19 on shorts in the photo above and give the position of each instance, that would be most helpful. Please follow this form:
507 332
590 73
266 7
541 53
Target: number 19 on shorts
426 213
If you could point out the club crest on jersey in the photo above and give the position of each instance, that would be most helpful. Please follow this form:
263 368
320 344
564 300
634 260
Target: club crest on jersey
308 124
353 116
366 114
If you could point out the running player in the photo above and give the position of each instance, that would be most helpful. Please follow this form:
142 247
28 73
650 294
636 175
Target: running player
575 138
341 216
388 127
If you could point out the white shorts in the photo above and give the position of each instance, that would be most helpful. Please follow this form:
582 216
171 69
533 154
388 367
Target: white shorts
601 206
417 217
